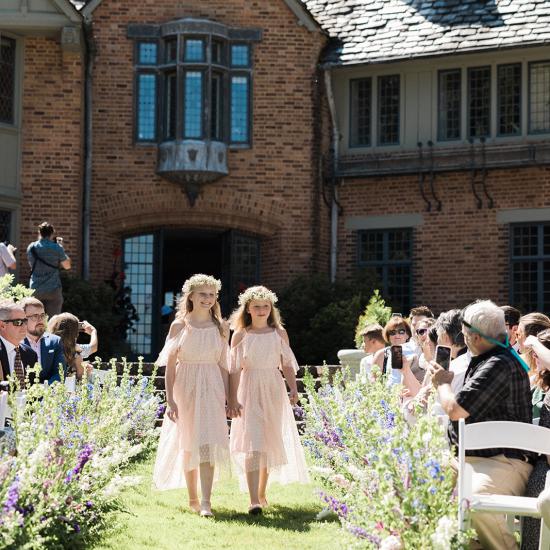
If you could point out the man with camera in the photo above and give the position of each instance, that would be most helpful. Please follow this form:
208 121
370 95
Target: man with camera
46 257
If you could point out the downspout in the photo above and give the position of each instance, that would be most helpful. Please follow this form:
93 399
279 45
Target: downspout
87 182
334 209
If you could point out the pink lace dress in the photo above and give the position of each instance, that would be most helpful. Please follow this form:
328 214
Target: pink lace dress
200 433
265 435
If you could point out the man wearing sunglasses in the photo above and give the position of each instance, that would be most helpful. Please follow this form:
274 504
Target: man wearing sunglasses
15 357
48 347
496 387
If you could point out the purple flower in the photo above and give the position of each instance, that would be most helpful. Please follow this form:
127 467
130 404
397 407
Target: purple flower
298 411
12 496
337 506
361 533
160 410
83 457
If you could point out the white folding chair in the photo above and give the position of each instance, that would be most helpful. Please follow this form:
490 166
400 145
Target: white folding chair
491 435
70 383
3 408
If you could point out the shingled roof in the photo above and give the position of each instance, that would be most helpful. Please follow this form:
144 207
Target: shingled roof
377 31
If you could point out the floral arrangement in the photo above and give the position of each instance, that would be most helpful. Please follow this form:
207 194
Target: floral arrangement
71 449
389 482
200 279
257 293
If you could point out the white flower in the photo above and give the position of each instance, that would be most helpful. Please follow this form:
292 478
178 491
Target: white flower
427 437
200 279
257 293
391 543
446 529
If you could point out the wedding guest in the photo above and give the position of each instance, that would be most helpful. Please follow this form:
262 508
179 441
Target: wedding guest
531 526
48 347
66 327
15 356
512 317
373 341
496 387
7 258
91 347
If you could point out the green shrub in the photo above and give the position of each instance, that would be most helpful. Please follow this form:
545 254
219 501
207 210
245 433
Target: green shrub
320 316
376 312
9 291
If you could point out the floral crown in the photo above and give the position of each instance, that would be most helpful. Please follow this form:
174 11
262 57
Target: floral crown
257 293
200 279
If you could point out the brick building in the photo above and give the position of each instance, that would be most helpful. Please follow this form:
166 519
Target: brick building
260 140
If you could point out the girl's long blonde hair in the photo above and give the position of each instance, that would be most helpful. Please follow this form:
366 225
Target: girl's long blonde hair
185 305
241 318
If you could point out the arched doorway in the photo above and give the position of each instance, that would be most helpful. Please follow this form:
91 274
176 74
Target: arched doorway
157 263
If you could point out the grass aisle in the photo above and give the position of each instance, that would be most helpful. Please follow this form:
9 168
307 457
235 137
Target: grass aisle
160 521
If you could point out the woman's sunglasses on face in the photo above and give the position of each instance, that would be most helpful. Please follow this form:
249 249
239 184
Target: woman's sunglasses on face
399 331
421 331
16 322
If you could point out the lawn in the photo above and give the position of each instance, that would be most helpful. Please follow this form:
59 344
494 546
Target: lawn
161 521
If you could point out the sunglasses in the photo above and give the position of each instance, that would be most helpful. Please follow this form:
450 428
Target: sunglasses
421 331
16 322
399 331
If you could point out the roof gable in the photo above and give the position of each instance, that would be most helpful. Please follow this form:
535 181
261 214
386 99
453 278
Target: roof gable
42 16
375 31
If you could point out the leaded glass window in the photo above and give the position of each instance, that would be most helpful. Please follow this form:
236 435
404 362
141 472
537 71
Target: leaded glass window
449 105
539 97
138 269
530 259
193 109
479 102
239 109
5 225
509 99
194 50
204 92
389 99
388 253
7 79
240 55
146 106
361 112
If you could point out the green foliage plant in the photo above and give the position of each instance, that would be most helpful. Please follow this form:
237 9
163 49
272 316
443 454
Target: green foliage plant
9 291
389 482
71 452
376 312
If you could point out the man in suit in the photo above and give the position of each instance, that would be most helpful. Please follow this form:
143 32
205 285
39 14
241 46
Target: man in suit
48 347
15 356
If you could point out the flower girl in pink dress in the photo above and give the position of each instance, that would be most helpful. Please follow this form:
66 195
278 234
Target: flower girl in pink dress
264 439
194 436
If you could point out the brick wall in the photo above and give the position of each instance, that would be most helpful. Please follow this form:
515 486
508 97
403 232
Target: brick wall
272 189
460 253
51 145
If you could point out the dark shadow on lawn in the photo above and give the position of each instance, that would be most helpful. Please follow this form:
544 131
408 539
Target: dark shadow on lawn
276 516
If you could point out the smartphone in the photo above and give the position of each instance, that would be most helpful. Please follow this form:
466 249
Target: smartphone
396 357
443 356
81 326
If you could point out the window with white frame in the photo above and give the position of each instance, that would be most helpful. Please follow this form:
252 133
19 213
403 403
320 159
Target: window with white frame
509 99
449 105
361 107
539 97
479 102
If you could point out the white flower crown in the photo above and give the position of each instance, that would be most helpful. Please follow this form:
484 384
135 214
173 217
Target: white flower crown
257 293
200 279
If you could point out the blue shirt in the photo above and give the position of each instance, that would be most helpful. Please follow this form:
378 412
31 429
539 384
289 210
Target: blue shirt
44 277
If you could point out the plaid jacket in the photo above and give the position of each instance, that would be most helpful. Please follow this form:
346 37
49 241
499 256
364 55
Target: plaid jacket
496 387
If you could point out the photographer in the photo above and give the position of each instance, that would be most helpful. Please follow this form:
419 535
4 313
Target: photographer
46 257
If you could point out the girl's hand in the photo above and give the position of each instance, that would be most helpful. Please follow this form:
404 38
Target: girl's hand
294 397
234 409
172 411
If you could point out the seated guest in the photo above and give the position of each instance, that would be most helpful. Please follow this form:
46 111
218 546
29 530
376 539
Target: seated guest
373 341
15 356
47 346
66 326
512 317
531 325
496 387
531 526
397 332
